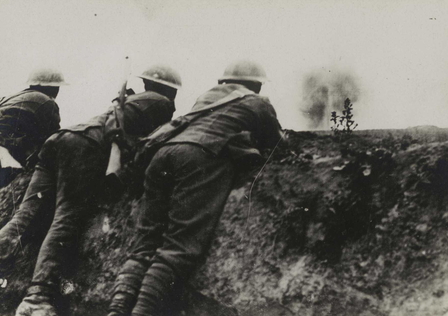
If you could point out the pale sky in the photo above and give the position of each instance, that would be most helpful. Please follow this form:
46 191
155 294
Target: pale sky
397 50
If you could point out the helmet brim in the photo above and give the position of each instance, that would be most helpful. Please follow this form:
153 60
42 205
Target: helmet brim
47 84
244 78
166 83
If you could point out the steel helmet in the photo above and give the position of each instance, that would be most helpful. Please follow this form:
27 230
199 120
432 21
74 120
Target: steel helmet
163 74
46 77
244 70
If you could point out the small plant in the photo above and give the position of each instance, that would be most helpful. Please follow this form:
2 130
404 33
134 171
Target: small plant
343 124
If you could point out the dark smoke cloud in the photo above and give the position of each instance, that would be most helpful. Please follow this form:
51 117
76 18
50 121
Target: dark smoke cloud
324 93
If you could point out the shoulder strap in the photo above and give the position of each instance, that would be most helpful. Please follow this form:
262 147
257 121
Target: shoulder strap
236 94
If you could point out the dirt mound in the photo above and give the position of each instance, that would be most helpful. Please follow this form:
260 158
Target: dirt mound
332 226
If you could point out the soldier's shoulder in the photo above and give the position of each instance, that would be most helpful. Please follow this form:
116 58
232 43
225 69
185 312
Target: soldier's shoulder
29 99
34 96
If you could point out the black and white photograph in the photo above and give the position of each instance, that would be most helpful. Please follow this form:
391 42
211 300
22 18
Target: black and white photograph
223 158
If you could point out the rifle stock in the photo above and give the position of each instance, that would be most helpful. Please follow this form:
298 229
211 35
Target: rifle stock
114 165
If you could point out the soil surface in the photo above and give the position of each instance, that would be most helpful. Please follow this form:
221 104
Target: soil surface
353 225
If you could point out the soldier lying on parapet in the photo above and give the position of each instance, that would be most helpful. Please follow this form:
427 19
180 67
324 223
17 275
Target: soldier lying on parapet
27 119
69 180
187 183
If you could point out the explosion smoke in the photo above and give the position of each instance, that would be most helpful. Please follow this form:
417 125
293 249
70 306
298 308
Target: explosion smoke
325 93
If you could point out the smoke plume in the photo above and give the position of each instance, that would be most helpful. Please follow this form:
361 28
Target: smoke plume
324 93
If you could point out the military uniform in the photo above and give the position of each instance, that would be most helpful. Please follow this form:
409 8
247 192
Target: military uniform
67 184
27 119
187 184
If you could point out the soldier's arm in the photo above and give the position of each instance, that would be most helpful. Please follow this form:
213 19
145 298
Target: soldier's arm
163 111
48 118
160 113
270 129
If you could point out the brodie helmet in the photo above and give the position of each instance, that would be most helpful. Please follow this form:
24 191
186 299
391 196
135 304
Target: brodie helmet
163 74
46 77
244 70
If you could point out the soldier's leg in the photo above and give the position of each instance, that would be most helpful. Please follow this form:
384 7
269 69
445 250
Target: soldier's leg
32 219
202 183
80 166
127 286
151 223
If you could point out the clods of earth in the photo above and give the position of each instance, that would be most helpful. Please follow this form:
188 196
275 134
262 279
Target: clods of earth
333 225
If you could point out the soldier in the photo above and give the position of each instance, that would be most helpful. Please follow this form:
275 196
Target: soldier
27 119
187 183
68 182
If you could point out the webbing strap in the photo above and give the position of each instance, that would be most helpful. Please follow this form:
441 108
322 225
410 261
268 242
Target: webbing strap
236 94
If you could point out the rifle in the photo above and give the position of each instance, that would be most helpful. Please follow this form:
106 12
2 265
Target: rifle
114 165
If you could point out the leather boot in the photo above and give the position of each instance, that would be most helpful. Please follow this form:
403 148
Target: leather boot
38 302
